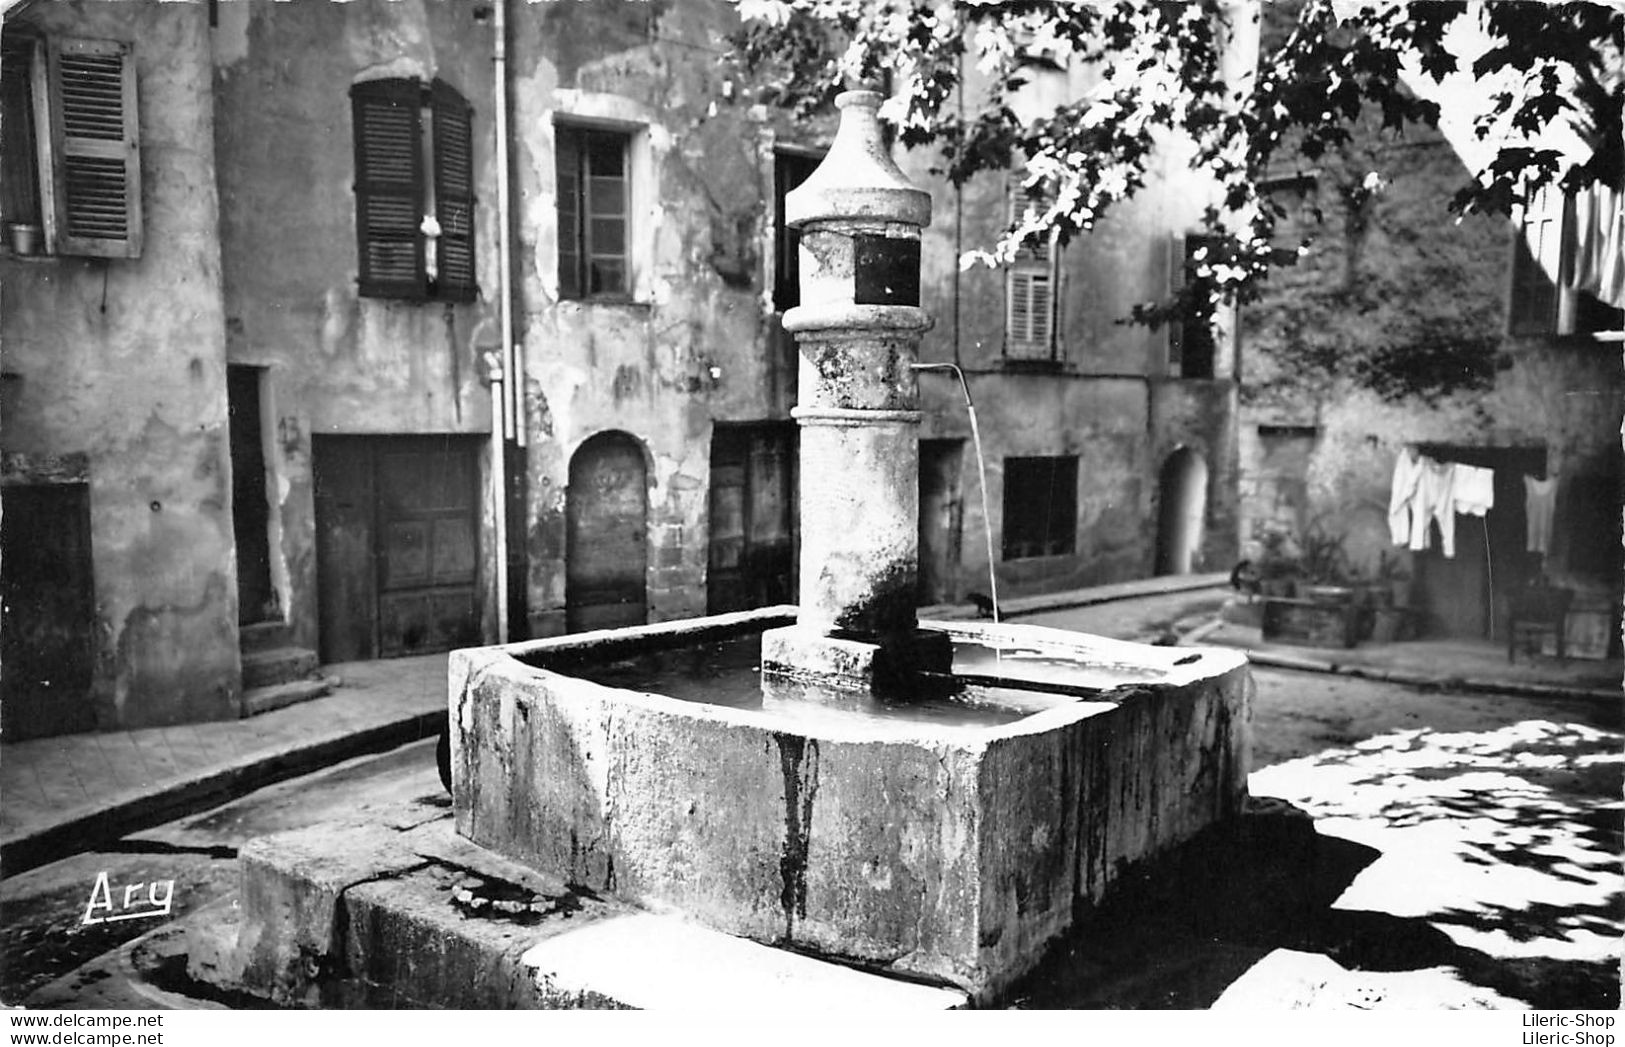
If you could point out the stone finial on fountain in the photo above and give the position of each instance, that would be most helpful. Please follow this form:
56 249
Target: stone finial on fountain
858 328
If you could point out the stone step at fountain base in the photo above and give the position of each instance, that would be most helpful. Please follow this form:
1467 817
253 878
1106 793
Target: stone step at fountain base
653 962
393 909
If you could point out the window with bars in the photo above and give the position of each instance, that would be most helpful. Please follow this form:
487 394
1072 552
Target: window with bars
1040 506
1030 284
594 197
70 159
414 189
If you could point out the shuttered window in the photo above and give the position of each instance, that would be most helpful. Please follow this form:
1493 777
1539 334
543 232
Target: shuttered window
454 193
1030 292
1541 300
72 145
1192 349
414 187
593 198
98 170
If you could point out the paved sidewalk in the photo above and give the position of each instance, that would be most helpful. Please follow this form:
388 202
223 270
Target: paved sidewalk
58 793
1454 664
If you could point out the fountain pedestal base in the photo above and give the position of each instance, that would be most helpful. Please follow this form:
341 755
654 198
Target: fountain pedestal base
856 665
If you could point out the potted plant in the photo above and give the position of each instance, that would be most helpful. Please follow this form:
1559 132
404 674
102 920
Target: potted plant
23 237
1325 568
1391 617
1278 567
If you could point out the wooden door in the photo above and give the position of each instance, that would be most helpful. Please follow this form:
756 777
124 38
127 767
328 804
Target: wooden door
428 540
752 557
606 535
47 626
939 520
397 545
250 509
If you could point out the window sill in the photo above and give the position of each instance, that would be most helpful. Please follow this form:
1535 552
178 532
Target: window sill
1038 559
610 301
1033 365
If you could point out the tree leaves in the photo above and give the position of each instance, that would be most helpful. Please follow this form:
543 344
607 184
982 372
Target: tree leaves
1162 72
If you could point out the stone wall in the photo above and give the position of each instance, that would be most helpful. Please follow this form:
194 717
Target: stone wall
695 343
1107 397
337 362
1394 272
124 360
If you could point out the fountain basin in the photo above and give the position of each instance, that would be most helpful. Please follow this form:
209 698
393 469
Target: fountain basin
931 845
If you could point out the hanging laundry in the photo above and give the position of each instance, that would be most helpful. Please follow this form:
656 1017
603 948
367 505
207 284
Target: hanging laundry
1595 240
1401 498
1474 490
1435 501
1539 503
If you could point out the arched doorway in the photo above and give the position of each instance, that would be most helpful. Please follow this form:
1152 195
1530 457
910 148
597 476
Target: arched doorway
606 534
1182 499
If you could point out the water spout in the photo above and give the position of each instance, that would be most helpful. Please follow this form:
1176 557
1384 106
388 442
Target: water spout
981 476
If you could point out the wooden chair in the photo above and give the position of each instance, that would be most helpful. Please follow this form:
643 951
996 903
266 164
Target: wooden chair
1537 607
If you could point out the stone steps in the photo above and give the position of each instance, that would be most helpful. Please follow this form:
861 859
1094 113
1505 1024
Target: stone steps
258 700
278 665
263 636
276 672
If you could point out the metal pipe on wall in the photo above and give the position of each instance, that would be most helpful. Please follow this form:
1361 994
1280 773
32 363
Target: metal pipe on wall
502 366
511 368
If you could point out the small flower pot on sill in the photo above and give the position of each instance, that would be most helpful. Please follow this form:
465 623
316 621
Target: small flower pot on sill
23 238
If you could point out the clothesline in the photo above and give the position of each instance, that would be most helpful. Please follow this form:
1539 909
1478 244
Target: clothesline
1426 491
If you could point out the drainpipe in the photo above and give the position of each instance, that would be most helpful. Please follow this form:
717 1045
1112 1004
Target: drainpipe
511 368
495 376
502 365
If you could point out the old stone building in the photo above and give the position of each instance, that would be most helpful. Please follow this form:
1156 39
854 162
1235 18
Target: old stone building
1409 332
290 289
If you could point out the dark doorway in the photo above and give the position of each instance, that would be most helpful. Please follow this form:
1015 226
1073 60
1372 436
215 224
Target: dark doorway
250 509
940 520
1182 506
752 558
1460 595
397 545
606 535
47 627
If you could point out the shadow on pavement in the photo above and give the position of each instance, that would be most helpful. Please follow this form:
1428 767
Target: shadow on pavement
1178 938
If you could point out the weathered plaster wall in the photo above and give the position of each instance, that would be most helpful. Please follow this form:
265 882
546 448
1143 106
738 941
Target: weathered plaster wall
1394 271
1106 398
694 344
338 362
124 360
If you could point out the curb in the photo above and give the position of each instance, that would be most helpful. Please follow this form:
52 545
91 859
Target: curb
1016 607
81 831
1299 663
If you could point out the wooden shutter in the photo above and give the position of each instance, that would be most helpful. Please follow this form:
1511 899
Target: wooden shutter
1192 347
1176 282
95 145
1030 293
567 153
454 193
388 188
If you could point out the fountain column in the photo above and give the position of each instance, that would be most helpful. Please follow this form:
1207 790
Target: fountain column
858 329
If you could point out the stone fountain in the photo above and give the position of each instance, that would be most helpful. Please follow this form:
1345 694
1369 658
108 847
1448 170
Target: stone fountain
932 802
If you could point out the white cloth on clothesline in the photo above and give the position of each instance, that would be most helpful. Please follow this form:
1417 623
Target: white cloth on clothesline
1407 474
1473 490
1435 501
1539 503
